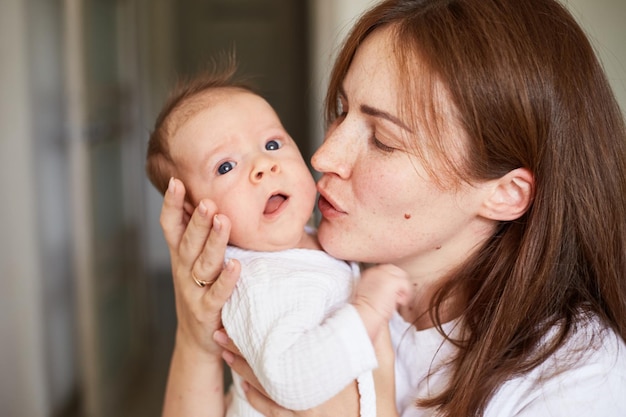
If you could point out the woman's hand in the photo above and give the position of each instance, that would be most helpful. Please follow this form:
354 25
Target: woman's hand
197 244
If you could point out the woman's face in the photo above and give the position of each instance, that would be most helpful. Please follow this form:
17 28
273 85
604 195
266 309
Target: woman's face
378 203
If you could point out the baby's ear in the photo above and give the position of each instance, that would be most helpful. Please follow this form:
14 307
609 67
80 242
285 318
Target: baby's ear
510 196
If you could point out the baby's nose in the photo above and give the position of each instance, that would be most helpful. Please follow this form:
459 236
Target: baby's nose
263 168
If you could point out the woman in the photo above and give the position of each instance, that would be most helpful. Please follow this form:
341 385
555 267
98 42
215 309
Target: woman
476 145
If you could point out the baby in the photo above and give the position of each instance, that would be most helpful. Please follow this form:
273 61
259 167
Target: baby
296 315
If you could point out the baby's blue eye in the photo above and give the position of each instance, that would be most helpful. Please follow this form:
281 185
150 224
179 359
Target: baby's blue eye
272 145
226 167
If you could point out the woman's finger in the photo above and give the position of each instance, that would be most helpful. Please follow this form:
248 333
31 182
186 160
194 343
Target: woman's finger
210 261
196 234
233 358
173 214
223 287
264 404
222 339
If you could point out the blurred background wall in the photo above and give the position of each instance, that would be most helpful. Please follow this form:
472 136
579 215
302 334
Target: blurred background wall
86 309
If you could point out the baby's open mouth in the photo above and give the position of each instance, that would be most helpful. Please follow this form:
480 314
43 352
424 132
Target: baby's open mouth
274 203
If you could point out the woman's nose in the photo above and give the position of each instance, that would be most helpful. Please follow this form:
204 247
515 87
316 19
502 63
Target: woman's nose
333 156
263 167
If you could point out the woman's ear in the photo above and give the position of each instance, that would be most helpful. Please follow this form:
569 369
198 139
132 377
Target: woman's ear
510 196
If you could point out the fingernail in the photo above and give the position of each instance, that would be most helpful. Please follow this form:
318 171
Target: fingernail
228 357
171 186
228 264
217 224
202 209
220 337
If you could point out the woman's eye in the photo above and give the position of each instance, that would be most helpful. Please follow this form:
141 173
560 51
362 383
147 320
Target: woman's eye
272 145
381 145
226 167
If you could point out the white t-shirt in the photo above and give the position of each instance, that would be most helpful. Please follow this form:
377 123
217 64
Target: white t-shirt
592 381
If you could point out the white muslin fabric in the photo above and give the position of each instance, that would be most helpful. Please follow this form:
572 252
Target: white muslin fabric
291 319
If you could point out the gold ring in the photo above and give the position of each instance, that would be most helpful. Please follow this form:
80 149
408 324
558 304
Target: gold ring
198 282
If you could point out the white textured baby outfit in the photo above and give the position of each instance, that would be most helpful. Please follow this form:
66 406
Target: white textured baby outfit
291 319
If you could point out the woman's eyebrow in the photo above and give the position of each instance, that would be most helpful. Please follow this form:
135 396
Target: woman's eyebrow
371 111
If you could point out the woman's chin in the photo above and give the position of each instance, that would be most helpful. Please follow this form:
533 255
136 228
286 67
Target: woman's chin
334 241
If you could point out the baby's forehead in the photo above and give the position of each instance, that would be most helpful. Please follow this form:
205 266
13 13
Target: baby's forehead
192 105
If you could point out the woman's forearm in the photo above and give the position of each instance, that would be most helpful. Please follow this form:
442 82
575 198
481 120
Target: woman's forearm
195 385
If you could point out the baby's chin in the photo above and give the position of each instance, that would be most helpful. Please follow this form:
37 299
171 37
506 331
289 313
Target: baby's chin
273 243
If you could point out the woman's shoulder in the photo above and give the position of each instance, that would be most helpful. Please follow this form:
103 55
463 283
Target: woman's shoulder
591 343
585 376
593 352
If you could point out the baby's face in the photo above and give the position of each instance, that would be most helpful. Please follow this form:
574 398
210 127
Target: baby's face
237 153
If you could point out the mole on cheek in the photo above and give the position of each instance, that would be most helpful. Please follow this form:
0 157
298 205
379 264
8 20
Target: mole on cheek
407 216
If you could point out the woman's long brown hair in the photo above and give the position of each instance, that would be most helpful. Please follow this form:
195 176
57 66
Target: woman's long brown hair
529 92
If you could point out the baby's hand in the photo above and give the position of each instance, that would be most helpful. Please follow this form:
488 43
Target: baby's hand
379 291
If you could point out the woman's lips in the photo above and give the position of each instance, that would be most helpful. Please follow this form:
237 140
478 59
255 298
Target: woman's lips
327 209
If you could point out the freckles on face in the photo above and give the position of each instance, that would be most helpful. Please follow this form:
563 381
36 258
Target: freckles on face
393 207
395 210
389 194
